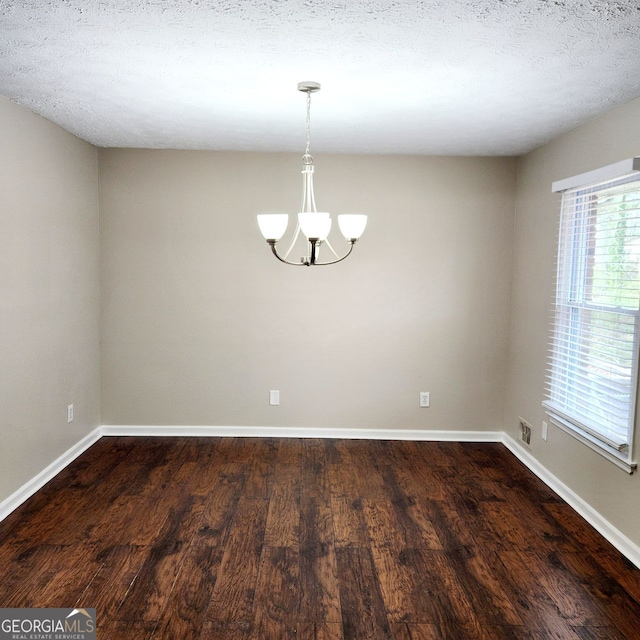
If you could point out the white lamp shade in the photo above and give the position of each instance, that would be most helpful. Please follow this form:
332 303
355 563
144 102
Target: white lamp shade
315 224
352 225
273 225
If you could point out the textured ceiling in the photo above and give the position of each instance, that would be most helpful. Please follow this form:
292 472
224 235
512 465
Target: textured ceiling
481 77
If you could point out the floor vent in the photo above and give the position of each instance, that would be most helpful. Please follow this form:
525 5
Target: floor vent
525 432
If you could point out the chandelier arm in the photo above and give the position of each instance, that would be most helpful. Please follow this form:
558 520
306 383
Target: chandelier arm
272 244
293 242
344 257
331 248
303 199
309 194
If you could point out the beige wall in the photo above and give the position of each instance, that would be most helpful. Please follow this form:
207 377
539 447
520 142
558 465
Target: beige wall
49 293
608 139
199 321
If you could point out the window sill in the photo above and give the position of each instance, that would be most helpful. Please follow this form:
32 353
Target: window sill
609 453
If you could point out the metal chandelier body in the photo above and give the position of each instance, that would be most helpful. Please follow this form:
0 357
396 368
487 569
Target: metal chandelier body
315 225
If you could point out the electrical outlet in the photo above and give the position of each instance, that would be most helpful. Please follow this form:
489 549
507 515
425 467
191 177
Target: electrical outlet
274 397
424 399
545 431
525 432
69 413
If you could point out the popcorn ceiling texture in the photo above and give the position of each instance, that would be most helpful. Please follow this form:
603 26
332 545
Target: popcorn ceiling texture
487 77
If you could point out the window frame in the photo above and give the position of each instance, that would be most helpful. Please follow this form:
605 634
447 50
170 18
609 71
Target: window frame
576 303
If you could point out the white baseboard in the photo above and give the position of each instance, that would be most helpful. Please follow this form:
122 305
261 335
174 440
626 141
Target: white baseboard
626 546
294 432
37 482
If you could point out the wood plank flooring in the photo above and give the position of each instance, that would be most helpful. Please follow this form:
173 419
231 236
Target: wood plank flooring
286 539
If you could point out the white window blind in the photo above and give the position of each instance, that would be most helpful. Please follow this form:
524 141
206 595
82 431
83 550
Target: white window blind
593 361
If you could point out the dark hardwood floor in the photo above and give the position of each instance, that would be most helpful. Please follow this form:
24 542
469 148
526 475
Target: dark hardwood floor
247 539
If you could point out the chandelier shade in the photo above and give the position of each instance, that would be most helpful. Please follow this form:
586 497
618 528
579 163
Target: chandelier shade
352 225
314 225
273 225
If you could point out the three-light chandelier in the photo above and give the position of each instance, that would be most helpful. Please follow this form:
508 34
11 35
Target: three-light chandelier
315 225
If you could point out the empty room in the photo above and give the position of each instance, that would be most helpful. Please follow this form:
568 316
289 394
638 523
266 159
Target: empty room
319 320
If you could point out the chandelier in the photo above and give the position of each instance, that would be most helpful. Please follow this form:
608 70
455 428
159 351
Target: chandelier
315 225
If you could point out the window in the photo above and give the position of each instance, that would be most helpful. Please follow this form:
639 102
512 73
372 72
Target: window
593 359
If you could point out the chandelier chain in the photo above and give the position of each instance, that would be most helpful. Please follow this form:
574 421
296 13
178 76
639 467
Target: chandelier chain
306 151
